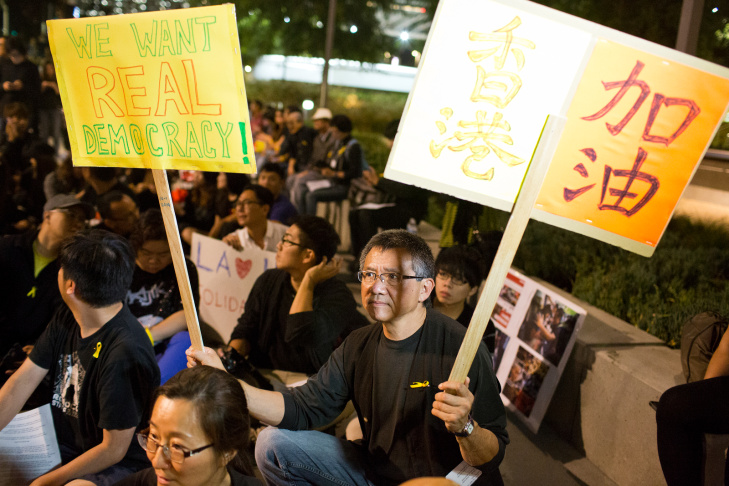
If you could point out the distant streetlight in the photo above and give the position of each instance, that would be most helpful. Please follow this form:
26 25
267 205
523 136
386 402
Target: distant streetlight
404 36
353 29
307 105
287 19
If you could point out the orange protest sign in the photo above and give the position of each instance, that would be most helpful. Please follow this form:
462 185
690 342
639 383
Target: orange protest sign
637 128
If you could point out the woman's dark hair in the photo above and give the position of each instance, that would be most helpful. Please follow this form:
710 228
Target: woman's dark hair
100 263
463 262
317 234
220 407
150 227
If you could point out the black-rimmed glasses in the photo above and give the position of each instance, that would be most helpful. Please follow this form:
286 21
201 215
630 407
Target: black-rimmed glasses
286 241
389 279
177 455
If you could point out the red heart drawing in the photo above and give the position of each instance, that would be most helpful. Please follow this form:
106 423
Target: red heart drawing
243 267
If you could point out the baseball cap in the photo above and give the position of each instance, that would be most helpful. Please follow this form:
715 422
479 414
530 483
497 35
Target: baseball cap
322 114
62 201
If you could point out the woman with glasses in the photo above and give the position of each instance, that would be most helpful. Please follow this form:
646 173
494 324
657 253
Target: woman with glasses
198 433
154 296
459 272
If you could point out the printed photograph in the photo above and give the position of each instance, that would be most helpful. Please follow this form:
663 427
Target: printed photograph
525 378
548 326
501 340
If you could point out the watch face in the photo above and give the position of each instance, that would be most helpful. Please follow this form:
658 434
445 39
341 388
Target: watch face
468 428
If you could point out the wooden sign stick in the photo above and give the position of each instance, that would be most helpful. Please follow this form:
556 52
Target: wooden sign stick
178 256
513 233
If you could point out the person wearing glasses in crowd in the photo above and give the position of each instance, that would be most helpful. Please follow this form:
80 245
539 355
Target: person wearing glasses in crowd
198 433
298 312
29 292
154 296
458 275
257 230
415 421
100 362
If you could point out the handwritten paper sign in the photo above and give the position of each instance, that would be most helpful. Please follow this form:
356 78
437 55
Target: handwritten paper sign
490 75
226 278
159 90
536 330
640 117
636 129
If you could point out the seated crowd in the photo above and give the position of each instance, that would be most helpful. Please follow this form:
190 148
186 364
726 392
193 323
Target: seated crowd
92 322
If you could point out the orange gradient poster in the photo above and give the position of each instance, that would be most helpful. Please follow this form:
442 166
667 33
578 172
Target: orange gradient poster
161 90
636 129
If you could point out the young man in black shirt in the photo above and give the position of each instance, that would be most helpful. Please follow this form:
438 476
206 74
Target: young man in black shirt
100 361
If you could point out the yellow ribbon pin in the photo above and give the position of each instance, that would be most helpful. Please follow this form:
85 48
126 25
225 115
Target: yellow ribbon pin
31 294
419 384
98 349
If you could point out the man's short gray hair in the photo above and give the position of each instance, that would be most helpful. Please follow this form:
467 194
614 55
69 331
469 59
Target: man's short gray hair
423 262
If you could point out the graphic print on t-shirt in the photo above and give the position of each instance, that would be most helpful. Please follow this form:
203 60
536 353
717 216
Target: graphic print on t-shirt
68 383
146 296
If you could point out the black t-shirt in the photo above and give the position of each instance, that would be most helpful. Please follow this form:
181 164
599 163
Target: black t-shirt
153 297
390 386
103 381
147 477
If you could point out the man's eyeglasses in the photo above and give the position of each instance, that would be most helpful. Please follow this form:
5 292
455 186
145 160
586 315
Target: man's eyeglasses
389 279
245 202
176 454
286 241
454 280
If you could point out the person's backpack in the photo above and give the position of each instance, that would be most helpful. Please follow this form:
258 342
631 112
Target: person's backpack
700 337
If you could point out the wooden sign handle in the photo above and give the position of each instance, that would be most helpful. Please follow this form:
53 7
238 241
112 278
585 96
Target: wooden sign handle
178 256
546 146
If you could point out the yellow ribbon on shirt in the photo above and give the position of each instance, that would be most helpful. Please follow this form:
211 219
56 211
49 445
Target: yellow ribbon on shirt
98 349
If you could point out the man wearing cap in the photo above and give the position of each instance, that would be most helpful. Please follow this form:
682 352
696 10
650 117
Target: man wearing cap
29 288
324 141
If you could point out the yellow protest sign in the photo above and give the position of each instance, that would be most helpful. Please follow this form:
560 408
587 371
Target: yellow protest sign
161 90
636 129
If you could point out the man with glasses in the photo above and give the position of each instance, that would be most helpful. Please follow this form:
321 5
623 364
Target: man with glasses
251 212
100 361
29 288
414 421
297 313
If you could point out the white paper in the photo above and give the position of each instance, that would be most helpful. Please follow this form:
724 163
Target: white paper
28 447
318 184
464 474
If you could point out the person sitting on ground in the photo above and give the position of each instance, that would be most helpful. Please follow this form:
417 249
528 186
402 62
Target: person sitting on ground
251 212
685 413
229 189
65 179
344 165
295 150
297 313
154 295
392 203
198 433
272 177
100 362
119 213
196 214
459 273
415 421
29 294
99 181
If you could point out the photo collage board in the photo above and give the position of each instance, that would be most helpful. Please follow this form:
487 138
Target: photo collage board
536 329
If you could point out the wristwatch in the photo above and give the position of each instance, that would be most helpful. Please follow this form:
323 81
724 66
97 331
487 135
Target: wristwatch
467 429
